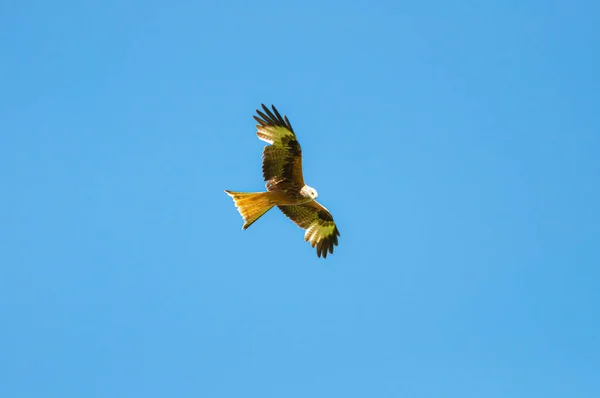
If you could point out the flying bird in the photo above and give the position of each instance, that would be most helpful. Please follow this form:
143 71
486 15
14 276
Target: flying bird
282 171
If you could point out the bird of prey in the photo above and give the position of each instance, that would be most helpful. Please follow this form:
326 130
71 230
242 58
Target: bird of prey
282 171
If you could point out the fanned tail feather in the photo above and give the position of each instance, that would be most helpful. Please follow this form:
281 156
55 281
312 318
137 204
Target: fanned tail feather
251 205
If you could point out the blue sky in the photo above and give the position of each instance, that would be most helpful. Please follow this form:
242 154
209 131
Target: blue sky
456 144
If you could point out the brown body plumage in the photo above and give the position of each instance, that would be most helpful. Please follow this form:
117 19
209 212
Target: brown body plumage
282 171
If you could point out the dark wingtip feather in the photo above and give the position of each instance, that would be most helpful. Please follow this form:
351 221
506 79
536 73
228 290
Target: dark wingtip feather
263 116
273 118
289 125
323 247
320 245
283 120
259 120
276 112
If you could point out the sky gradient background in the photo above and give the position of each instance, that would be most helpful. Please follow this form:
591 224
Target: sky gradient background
456 145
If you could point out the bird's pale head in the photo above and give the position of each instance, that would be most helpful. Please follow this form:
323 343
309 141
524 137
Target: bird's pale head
309 192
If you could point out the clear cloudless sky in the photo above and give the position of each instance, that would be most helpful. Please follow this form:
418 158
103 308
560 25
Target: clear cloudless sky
457 145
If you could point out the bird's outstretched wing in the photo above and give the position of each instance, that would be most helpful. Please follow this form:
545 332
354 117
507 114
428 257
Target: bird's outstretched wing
320 228
282 160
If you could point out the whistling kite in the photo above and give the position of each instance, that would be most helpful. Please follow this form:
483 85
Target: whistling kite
282 170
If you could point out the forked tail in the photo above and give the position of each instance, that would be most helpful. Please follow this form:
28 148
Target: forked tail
251 205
